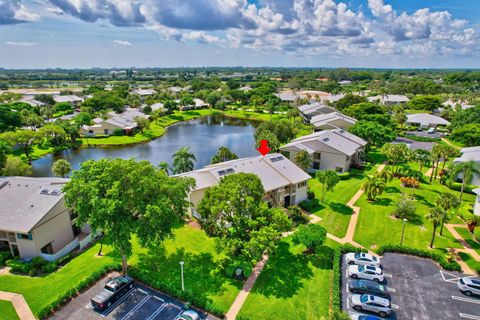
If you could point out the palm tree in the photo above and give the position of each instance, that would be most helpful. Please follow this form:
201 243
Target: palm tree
447 201
386 175
164 166
445 152
183 160
422 157
468 169
435 155
435 215
373 187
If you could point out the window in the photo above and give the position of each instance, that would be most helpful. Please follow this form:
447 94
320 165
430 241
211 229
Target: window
301 184
316 166
105 131
24 236
47 249
90 131
316 156
339 169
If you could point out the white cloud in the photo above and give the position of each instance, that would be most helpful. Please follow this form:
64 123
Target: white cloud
121 43
301 27
13 11
20 43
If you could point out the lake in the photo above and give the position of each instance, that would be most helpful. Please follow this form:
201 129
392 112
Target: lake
203 135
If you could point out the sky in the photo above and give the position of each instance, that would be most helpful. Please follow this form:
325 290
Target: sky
276 33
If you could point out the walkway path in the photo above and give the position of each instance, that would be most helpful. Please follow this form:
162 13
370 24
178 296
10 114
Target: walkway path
466 248
451 144
19 303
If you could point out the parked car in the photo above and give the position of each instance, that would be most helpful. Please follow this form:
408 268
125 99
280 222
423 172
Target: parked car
363 317
366 272
362 259
370 303
431 131
113 290
189 315
469 286
368 286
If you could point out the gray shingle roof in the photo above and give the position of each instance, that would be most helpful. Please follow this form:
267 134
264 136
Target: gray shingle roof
330 118
426 119
22 205
273 174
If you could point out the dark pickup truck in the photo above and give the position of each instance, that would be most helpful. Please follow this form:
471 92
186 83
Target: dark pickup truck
113 290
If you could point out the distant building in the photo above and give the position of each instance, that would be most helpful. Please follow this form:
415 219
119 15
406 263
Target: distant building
72 99
34 220
289 97
245 88
123 122
344 82
336 149
332 98
284 183
470 154
307 111
333 120
425 120
32 102
144 93
389 100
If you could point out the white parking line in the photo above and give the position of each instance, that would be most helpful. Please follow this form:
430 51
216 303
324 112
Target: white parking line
158 298
134 309
466 299
89 306
387 275
453 278
106 312
176 317
390 289
394 306
469 316
157 311
142 291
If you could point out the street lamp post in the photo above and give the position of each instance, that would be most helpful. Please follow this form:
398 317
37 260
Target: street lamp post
181 273
403 230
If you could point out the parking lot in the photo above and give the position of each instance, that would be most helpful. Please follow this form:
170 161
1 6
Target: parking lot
420 290
140 303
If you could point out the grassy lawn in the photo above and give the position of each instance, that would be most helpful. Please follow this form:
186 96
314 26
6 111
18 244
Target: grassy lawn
376 226
7 311
334 211
202 271
472 263
291 286
42 291
469 238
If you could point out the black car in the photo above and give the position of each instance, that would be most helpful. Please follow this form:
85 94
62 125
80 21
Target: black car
369 287
113 290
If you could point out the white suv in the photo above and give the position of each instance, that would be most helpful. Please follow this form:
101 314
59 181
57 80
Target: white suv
367 302
366 272
469 286
362 259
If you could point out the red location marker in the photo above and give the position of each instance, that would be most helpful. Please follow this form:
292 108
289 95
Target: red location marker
264 149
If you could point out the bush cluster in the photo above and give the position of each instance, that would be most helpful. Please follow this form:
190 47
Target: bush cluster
438 257
34 267
4 256
309 205
86 282
187 295
457 186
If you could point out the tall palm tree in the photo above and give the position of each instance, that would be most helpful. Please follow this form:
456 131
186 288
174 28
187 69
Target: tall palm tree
447 201
435 155
422 157
164 166
183 160
386 175
435 216
468 170
445 152
373 187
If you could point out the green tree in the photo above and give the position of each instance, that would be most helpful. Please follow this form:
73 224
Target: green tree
55 135
422 157
15 166
223 154
9 119
428 102
142 123
30 119
467 170
468 134
404 208
348 100
61 168
124 198
183 160
396 154
303 160
374 133
235 213
435 216
328 180
312 236
447 201
164 167
23 139
283 129
373 187
4 151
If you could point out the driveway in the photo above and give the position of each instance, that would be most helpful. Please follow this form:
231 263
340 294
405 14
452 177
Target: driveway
140 303
421 290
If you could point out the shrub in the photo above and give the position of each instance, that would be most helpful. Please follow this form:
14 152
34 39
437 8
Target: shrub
308 205
33 267
337 279
312 236
457 186
476 233
310 195
409 182
118 132
4 256
440 258
296 215
344 175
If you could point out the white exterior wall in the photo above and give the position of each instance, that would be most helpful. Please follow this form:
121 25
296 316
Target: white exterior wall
301 194
476 207
330 161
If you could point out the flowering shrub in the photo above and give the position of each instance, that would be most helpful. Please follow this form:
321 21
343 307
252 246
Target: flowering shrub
410 182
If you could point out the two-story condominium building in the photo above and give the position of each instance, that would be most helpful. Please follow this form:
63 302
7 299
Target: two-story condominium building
330 149
333 120
34 220
307 111
284 183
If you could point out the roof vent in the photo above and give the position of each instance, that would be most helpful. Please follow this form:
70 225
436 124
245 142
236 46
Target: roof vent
326 139
51 192
280 158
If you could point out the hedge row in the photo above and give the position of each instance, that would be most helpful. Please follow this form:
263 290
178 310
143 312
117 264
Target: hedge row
4 256
438 257
187 295
86 282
